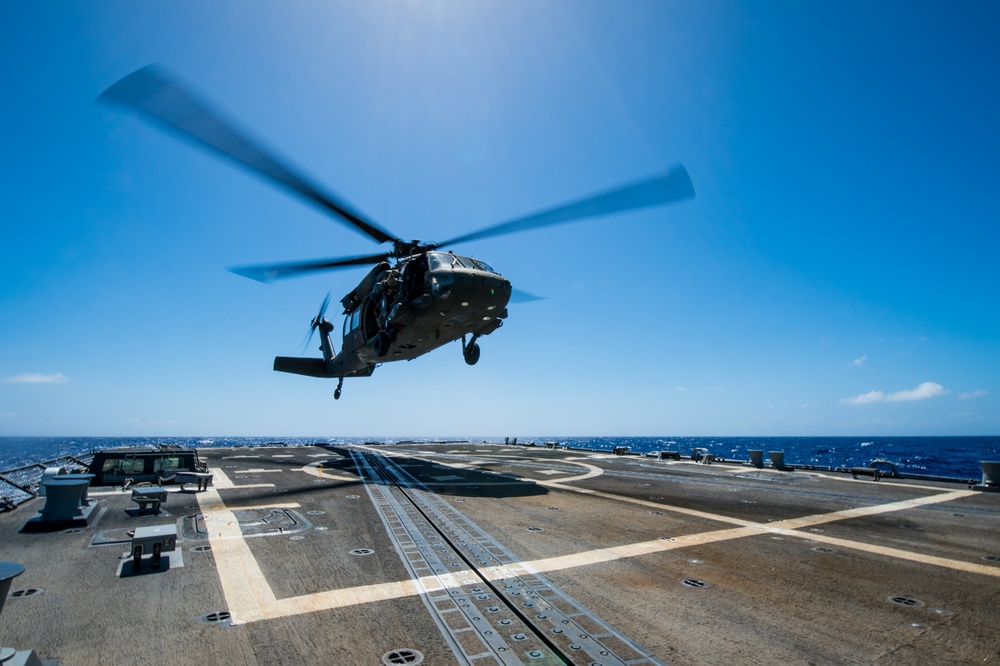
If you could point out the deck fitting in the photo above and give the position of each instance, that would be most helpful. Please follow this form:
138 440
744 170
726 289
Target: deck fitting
362 551
694 582
402 656
906 601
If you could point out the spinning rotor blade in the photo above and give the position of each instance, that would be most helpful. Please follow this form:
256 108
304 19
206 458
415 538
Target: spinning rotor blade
322 310
152 93
669 188
520 296
271 272
315 322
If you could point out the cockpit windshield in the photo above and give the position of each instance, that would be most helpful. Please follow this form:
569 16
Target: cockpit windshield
447 260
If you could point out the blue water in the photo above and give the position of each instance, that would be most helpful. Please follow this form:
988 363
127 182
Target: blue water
956 457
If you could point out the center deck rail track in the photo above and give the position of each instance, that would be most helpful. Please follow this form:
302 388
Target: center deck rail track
490 607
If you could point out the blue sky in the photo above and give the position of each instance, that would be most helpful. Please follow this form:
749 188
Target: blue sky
837 273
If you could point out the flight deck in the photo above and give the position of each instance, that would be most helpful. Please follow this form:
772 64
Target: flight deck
471 553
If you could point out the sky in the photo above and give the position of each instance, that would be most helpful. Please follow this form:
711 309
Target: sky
836 274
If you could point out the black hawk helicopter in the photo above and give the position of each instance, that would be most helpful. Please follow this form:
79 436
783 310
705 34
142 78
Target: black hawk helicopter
417 297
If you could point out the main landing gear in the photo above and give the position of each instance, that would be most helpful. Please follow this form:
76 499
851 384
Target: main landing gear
471 350
340 386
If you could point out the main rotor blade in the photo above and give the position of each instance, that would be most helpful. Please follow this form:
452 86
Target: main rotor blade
271 272
669 188
521 296
151 92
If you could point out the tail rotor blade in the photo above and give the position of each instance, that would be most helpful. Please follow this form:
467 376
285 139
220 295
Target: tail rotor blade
316 321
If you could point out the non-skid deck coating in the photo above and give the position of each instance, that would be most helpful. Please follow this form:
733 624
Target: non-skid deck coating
488 554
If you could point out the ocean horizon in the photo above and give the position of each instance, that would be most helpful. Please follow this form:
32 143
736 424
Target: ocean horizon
949 456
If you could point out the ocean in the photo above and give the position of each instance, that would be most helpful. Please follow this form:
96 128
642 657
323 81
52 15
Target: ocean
954 457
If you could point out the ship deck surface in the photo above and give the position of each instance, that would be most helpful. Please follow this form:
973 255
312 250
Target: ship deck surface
487 554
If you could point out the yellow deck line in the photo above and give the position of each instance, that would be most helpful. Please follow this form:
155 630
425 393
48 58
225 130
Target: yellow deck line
948 563
243 583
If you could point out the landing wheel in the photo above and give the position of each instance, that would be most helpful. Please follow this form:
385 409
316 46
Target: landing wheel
336 394
340 385
471 353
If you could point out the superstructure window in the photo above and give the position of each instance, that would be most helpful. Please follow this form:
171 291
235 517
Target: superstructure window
167 464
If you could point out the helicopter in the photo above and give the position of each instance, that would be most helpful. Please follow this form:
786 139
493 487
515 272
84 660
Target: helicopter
417 296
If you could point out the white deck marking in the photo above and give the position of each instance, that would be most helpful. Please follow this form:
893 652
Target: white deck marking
223 482
592 471
256 471
249 597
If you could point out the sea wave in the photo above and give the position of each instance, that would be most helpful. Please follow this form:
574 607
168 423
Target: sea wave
955 457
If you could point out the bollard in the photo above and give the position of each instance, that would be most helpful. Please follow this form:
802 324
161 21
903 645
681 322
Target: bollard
756 458
991 472
8 572
778 459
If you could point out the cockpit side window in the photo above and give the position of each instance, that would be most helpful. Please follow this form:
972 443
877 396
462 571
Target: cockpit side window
483 266
352 321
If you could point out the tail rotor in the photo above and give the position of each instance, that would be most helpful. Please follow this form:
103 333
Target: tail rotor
317 321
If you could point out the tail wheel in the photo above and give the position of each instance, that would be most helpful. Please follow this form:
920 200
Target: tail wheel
471 353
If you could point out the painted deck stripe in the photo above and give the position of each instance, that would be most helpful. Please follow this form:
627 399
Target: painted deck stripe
249 597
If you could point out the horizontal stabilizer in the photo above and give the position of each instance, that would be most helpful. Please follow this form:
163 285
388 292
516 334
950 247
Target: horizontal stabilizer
311 367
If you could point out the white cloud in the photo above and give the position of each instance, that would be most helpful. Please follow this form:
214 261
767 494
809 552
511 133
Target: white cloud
978 393
7 415
860 361
922 392
925 391
865 398
36 378
681 389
